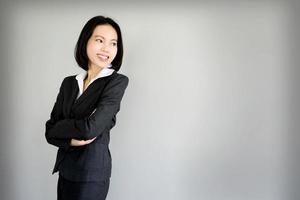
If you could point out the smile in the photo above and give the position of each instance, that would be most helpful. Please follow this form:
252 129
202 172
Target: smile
102 57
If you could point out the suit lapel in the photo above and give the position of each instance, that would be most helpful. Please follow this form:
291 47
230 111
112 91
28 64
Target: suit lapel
91 89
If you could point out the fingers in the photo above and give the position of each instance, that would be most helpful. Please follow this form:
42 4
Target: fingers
75 142
90 140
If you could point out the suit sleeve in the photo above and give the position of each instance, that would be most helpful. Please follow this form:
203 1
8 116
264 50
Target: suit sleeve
101 119
55 116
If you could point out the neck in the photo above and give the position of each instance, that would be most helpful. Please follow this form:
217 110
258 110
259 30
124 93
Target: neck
92 72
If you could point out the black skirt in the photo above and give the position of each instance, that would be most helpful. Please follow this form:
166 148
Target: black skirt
71 190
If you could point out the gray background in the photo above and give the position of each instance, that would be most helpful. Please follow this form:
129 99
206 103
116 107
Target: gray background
211 111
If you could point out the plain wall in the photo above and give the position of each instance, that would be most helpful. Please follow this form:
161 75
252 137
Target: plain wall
211 111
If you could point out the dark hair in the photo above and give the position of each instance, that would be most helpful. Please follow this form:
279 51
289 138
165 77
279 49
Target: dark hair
87 31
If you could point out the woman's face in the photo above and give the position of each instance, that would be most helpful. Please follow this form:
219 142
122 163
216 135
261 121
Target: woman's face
102 46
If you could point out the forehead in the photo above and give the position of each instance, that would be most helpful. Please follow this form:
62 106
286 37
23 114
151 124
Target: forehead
106 31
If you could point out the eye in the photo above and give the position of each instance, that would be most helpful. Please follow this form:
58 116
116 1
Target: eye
114 44
99 40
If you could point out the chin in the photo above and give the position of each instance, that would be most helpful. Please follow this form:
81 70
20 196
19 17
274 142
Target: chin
102 65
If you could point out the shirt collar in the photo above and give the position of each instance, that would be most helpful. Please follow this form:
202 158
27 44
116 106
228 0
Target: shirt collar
106 71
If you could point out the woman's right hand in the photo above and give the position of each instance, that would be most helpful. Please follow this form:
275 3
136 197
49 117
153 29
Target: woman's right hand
75 142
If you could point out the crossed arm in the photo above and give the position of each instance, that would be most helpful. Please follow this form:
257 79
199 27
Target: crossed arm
60 132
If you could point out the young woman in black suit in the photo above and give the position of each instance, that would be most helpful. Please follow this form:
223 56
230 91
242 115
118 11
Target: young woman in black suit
85 112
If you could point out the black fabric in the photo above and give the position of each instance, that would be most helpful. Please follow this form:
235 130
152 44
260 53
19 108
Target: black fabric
91 190
75 118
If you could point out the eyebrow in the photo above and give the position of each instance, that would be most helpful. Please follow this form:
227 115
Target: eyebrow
104 37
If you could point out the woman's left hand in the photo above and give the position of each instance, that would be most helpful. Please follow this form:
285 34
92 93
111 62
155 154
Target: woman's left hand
75 142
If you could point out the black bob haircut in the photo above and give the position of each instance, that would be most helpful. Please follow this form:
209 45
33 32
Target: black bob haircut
87 31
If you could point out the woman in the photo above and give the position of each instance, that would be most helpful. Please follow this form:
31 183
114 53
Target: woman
85 111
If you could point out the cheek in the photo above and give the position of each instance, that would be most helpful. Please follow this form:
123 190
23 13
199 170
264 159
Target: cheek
90 49
114 51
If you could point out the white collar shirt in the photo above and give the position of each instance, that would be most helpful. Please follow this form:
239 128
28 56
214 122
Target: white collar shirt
106 71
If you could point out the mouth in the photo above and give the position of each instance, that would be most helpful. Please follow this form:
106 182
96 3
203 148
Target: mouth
103 57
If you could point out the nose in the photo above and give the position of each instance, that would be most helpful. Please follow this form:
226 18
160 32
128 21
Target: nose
104 47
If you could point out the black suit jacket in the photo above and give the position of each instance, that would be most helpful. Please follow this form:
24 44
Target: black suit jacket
92 114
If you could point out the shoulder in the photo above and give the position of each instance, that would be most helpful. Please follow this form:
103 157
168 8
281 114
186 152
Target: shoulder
117 81
121 77
69 78
116 78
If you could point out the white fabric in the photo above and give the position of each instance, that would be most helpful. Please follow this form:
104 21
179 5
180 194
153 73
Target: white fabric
106 71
